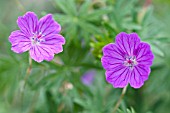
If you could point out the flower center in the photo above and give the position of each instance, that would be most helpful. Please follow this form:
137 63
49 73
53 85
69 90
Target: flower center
130 61
36 39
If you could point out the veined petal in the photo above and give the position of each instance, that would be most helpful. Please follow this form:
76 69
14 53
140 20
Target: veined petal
20 42
144 71
56 48
28 23
110 63
34 55
113 51
53 39
48 26
144 54
118 77
127 61
54 42
127 42
46 52
136 80
39 53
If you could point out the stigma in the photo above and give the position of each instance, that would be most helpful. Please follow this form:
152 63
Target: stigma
130 61
36 39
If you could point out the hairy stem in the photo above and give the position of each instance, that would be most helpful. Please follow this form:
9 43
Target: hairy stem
28 70
26 75
25 80
120 99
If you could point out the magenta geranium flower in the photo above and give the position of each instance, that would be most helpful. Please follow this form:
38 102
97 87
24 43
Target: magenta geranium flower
40 37
128 60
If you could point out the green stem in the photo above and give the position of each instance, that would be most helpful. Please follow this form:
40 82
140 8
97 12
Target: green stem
25 80
26 75
28 70
120 99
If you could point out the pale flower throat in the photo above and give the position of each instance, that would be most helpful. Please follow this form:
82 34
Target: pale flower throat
130 61
36 39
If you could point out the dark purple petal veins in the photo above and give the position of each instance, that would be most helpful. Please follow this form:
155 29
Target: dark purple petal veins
54 39
118 77
40 37
127 42
110 64
127 61
136 80
20 42
54 42
143 54
28 23
48 26
144 71
113 51
39 53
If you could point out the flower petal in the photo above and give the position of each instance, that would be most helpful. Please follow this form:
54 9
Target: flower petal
46 52
55 42
112 51
47 25
54 39
40 53
118 77
112 57
56 48
20 42
127 42
28 23
136 78
110 63
143 54
144 71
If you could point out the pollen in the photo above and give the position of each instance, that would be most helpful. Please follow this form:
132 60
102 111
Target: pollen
130 61
37 39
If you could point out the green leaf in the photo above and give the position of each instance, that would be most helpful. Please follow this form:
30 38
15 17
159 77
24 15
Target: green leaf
131 110
132 26
72 6
157 50
160 39
96 14
50 102
62 19
84 7
80 102
67 6
88 27
147 16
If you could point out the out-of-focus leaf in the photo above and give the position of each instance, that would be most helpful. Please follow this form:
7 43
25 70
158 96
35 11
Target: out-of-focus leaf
147 16
62 19
81 19
85 7
161 39
127 111
67 7
156 50
94 15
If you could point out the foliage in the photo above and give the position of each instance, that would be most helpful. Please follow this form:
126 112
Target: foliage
79 21
87 25
128 111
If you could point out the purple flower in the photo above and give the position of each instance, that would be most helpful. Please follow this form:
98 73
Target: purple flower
128 60
88 77
40 37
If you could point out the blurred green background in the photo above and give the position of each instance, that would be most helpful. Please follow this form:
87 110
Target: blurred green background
87 25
